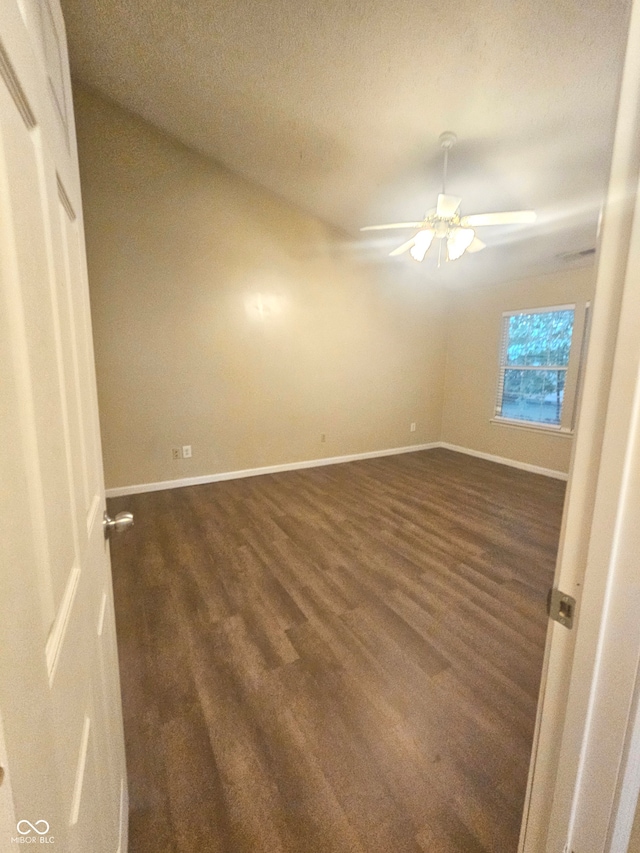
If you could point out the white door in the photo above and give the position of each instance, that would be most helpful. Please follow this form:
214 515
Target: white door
61 741
589 673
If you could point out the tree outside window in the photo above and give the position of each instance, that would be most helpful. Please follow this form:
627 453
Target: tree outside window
534 358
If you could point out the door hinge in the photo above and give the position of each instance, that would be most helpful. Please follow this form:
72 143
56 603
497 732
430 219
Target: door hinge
561 607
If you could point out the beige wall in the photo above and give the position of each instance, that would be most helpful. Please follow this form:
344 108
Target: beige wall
474 327
227 320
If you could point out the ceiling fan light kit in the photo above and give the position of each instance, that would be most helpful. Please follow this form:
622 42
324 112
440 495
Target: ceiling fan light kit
458 241
421 243
445 223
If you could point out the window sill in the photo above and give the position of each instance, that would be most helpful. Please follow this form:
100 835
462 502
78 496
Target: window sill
533 427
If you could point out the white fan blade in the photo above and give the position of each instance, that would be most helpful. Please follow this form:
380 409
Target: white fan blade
405 247
447 206
476 246
507 218
392 225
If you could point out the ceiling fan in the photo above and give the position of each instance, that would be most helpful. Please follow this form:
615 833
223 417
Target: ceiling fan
445 223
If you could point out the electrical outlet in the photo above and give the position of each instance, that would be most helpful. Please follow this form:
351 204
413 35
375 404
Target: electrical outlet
412 427
323 437
176 453
186 451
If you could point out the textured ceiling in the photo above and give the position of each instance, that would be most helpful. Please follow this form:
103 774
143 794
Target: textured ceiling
337 106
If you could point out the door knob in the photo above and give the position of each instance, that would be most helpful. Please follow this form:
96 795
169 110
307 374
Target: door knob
120 522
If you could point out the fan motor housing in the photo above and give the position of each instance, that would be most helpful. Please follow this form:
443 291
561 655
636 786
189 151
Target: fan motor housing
447 139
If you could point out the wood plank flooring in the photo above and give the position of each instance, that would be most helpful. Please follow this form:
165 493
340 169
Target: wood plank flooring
336 660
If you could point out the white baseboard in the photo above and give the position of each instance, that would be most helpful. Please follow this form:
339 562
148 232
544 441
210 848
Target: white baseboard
513 463
331 460
268 469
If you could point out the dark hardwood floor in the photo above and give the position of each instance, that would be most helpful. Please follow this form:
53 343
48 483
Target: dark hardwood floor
336 660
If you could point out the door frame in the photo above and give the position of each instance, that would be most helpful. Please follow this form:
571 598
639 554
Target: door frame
584 775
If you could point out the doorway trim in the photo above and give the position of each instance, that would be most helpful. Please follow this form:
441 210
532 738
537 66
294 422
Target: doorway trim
580 794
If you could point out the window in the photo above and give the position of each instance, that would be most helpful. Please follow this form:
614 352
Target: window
534 360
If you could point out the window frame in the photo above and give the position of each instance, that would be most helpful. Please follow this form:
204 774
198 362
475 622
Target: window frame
577 349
